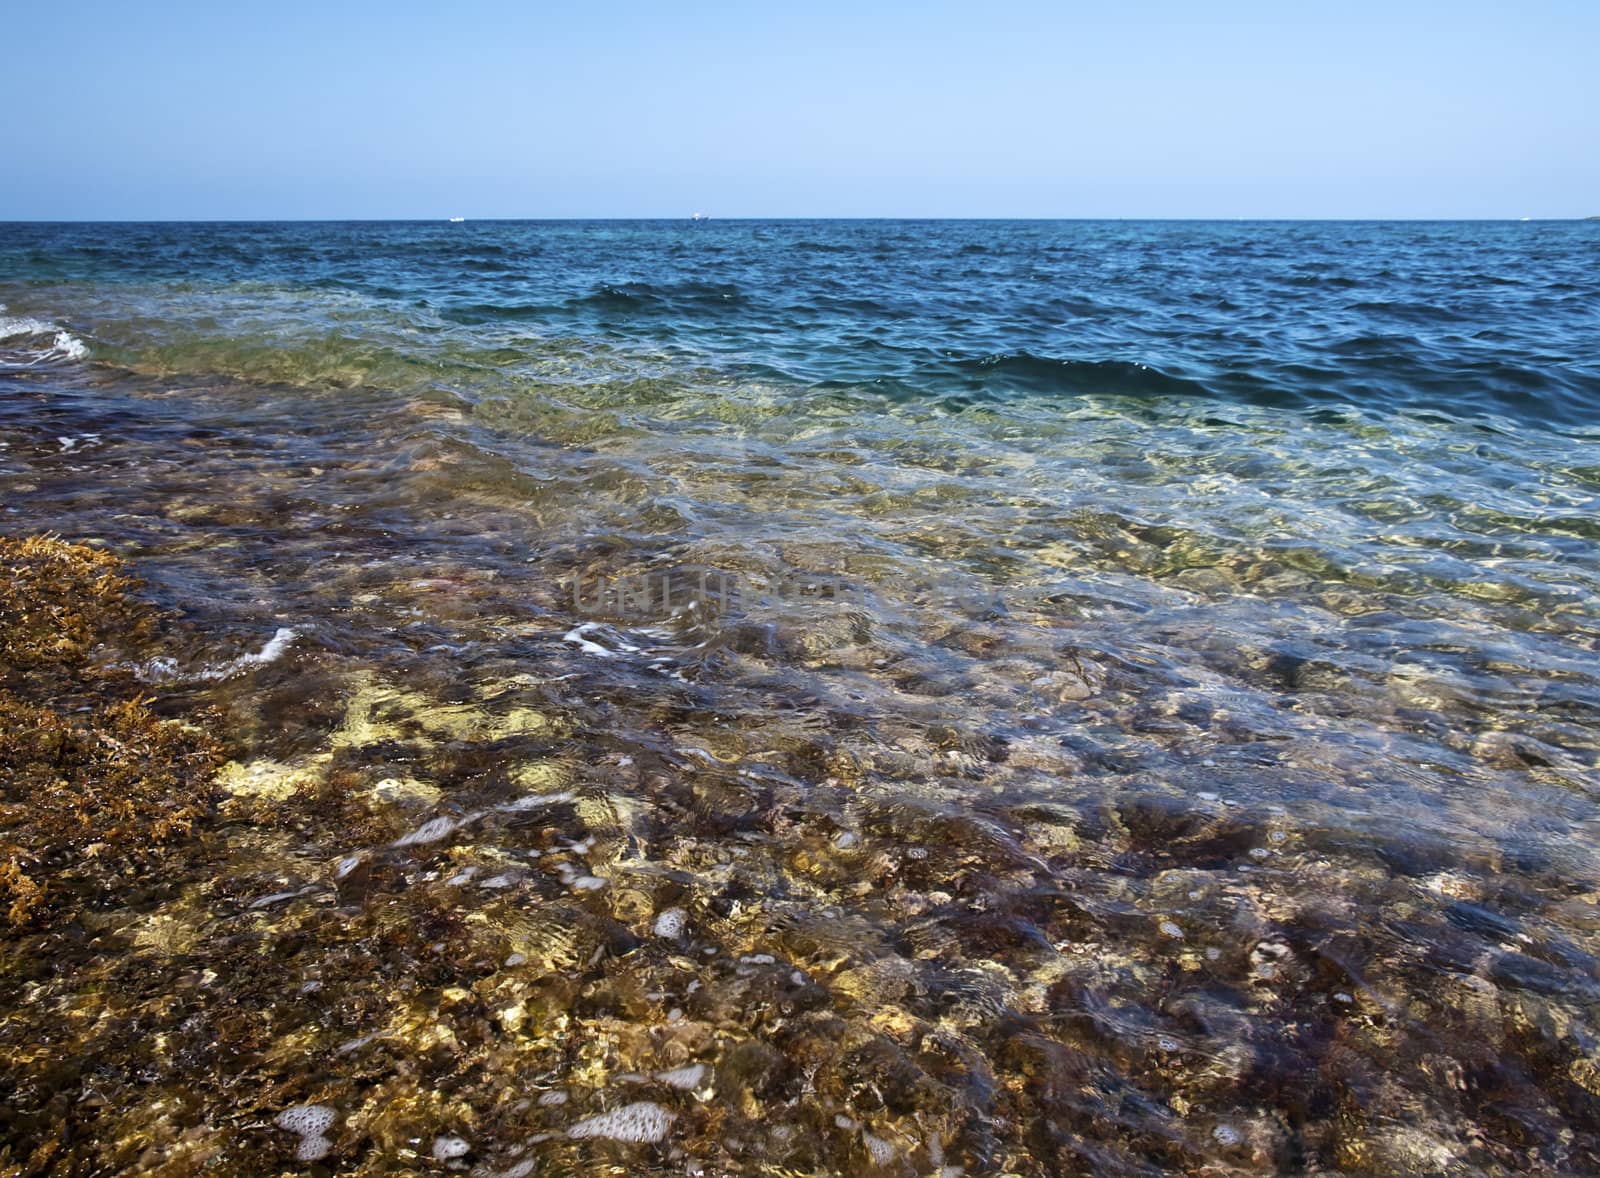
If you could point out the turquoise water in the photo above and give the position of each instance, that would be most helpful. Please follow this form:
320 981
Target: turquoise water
1099 697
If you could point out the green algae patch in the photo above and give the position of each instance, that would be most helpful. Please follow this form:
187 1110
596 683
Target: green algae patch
95 792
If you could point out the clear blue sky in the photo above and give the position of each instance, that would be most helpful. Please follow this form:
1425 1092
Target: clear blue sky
496 108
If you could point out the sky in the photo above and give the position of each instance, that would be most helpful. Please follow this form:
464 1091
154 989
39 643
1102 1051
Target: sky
183 110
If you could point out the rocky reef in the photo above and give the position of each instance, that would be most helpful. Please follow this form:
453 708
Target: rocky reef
511 914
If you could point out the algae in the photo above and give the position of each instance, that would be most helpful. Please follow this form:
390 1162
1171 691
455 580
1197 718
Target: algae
98 795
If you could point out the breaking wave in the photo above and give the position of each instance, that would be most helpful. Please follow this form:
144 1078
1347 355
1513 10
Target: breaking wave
25 342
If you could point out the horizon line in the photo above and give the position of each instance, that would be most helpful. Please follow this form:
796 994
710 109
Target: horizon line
703 218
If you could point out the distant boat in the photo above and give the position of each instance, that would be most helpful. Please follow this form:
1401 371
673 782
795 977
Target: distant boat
456 220
701 217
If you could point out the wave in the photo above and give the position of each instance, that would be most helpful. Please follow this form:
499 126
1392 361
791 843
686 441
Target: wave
981 314
1414 312
26 342
471 314
1368 374
1027 371
644 297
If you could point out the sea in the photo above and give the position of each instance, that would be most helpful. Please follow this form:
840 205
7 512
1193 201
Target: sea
833 697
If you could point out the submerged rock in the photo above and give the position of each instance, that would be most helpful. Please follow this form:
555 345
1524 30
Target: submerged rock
640 1122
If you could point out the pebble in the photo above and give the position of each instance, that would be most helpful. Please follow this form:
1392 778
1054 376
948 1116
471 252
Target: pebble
670 924
311 1122
882 1152
640 1122
687 1078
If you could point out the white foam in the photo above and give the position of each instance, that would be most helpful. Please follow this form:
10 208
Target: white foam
158 670
163 669
276 645
576 637
428 832
270 653
642 1121
31 333
70 347
580 636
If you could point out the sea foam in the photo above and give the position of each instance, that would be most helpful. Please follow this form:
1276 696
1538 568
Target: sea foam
25 341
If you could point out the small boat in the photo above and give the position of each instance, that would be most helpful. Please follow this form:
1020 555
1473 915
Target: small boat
457 220
700 217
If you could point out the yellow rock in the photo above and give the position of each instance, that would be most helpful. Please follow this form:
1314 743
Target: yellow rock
165 934
268 779
405 791
1585 1073
541 776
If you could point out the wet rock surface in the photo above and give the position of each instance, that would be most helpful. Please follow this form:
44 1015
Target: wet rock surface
449 884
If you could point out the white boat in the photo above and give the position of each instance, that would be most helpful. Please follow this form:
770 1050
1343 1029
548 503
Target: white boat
456 220
701 217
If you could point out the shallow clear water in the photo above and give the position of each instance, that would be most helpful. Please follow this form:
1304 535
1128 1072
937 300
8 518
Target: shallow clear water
1099 697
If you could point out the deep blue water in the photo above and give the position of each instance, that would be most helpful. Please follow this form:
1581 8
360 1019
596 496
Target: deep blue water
1496 319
